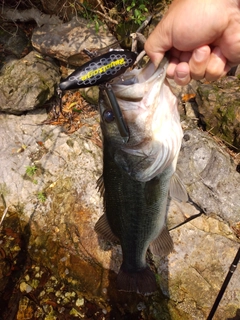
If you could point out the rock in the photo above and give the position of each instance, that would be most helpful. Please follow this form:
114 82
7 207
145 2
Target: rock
14 42
234 71
91 94
219 108
63 9
32 14
237 71
70 38
67 9
210 176
193 274
26 84
48 180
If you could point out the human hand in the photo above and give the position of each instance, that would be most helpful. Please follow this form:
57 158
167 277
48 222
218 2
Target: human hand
202 37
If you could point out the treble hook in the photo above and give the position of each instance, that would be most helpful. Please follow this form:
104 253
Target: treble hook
122 127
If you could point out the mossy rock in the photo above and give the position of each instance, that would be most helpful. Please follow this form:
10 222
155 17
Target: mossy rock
219 107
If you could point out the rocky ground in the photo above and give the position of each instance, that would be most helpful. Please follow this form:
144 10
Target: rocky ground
53 266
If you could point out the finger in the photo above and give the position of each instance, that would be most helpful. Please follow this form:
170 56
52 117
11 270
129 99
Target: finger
185 56
171 67
182 74
217 65
199 61
158 43
174 53
176 57
153 49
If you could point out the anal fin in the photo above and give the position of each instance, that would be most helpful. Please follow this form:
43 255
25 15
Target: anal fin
163 244
103 229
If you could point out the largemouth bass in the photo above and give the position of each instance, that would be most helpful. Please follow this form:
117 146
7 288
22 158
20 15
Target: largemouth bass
137 175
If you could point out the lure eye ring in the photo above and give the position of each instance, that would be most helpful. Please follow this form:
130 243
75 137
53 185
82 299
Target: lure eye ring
108 116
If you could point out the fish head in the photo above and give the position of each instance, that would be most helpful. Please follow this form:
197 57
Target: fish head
149 109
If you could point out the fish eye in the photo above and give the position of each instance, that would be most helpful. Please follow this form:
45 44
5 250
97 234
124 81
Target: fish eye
108 116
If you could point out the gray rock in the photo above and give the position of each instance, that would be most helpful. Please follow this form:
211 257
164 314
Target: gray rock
210 176
32 14
70 38
25 142
26 84
91 94
60 204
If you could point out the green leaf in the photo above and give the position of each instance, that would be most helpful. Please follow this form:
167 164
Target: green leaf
137 13
96 25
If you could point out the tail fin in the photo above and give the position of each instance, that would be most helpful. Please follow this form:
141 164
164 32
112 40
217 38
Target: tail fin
142 281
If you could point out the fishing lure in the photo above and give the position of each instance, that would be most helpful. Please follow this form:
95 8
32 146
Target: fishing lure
99 70
117 113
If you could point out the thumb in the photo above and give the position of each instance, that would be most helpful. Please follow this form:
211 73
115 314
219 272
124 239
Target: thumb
158 43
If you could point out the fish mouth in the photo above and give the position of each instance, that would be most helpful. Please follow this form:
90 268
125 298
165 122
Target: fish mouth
134 84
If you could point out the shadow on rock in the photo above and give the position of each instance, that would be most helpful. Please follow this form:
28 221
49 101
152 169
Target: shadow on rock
237 317
13 260
130 305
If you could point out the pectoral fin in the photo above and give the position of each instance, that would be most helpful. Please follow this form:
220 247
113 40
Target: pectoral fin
177 190
163 244
103 229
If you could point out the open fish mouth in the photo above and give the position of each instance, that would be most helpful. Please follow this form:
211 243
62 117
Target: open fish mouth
134 84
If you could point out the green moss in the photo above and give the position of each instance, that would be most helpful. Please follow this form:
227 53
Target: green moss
221 106
70 143
177 314
31 170
203 92
43 95
47 135
41 196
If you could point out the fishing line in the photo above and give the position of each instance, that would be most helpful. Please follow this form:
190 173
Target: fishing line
187 220
232 269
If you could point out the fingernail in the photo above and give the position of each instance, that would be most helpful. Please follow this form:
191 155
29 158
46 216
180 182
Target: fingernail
182 78
181 75
156 63
199 54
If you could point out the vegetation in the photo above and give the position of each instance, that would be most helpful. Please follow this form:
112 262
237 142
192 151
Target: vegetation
137 9
98 11
31 170
41 196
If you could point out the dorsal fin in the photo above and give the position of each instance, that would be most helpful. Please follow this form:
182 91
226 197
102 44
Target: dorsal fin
163 244
177 190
